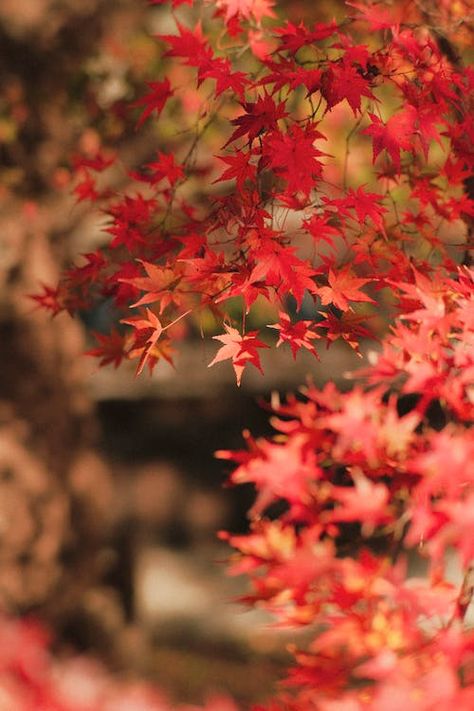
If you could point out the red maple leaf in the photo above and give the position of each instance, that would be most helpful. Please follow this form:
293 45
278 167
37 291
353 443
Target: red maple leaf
86 189
98 162
260 45
278 472
293 156
147 331
155 100
122 292
240 168
378 15
50 299
368 205
287 72
242 349
244 285
260 116
348 327
189 45
343 287
343 81
459 531
220 69
320 227
364 205
293 37
130 221
245 9
365 502
111 348
277 266
160 283
393 136
165 167
88 273
298 335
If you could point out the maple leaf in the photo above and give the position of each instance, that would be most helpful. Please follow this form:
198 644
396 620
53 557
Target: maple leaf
427 193
245 9
377 15
259 117
122 292
220 69
364 204
131 218
448 453
343 287
51 299
366 502
293 156
277 266
208 270
98 162
356 54
160 283
147 332
343 81
260 45
278 472
86 189
242 349
356 425
155 100
194 245
240 168
88 273
348 327
244 285
321 227
368 205
165 167
427 120
189 45
293 37
288 73
393 136
298 335
111 348
455 170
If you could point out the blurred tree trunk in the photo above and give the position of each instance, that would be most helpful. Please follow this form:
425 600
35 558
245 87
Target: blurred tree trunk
47 428
56 494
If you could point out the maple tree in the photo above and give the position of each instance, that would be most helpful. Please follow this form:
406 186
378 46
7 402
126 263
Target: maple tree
342 177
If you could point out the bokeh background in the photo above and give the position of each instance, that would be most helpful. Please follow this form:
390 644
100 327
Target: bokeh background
110 496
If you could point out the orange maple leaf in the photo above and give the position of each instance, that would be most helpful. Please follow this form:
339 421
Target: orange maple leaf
241 348
343 287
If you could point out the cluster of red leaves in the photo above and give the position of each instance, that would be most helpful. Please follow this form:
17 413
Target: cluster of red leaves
275 219
179 248
31 680
367 490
